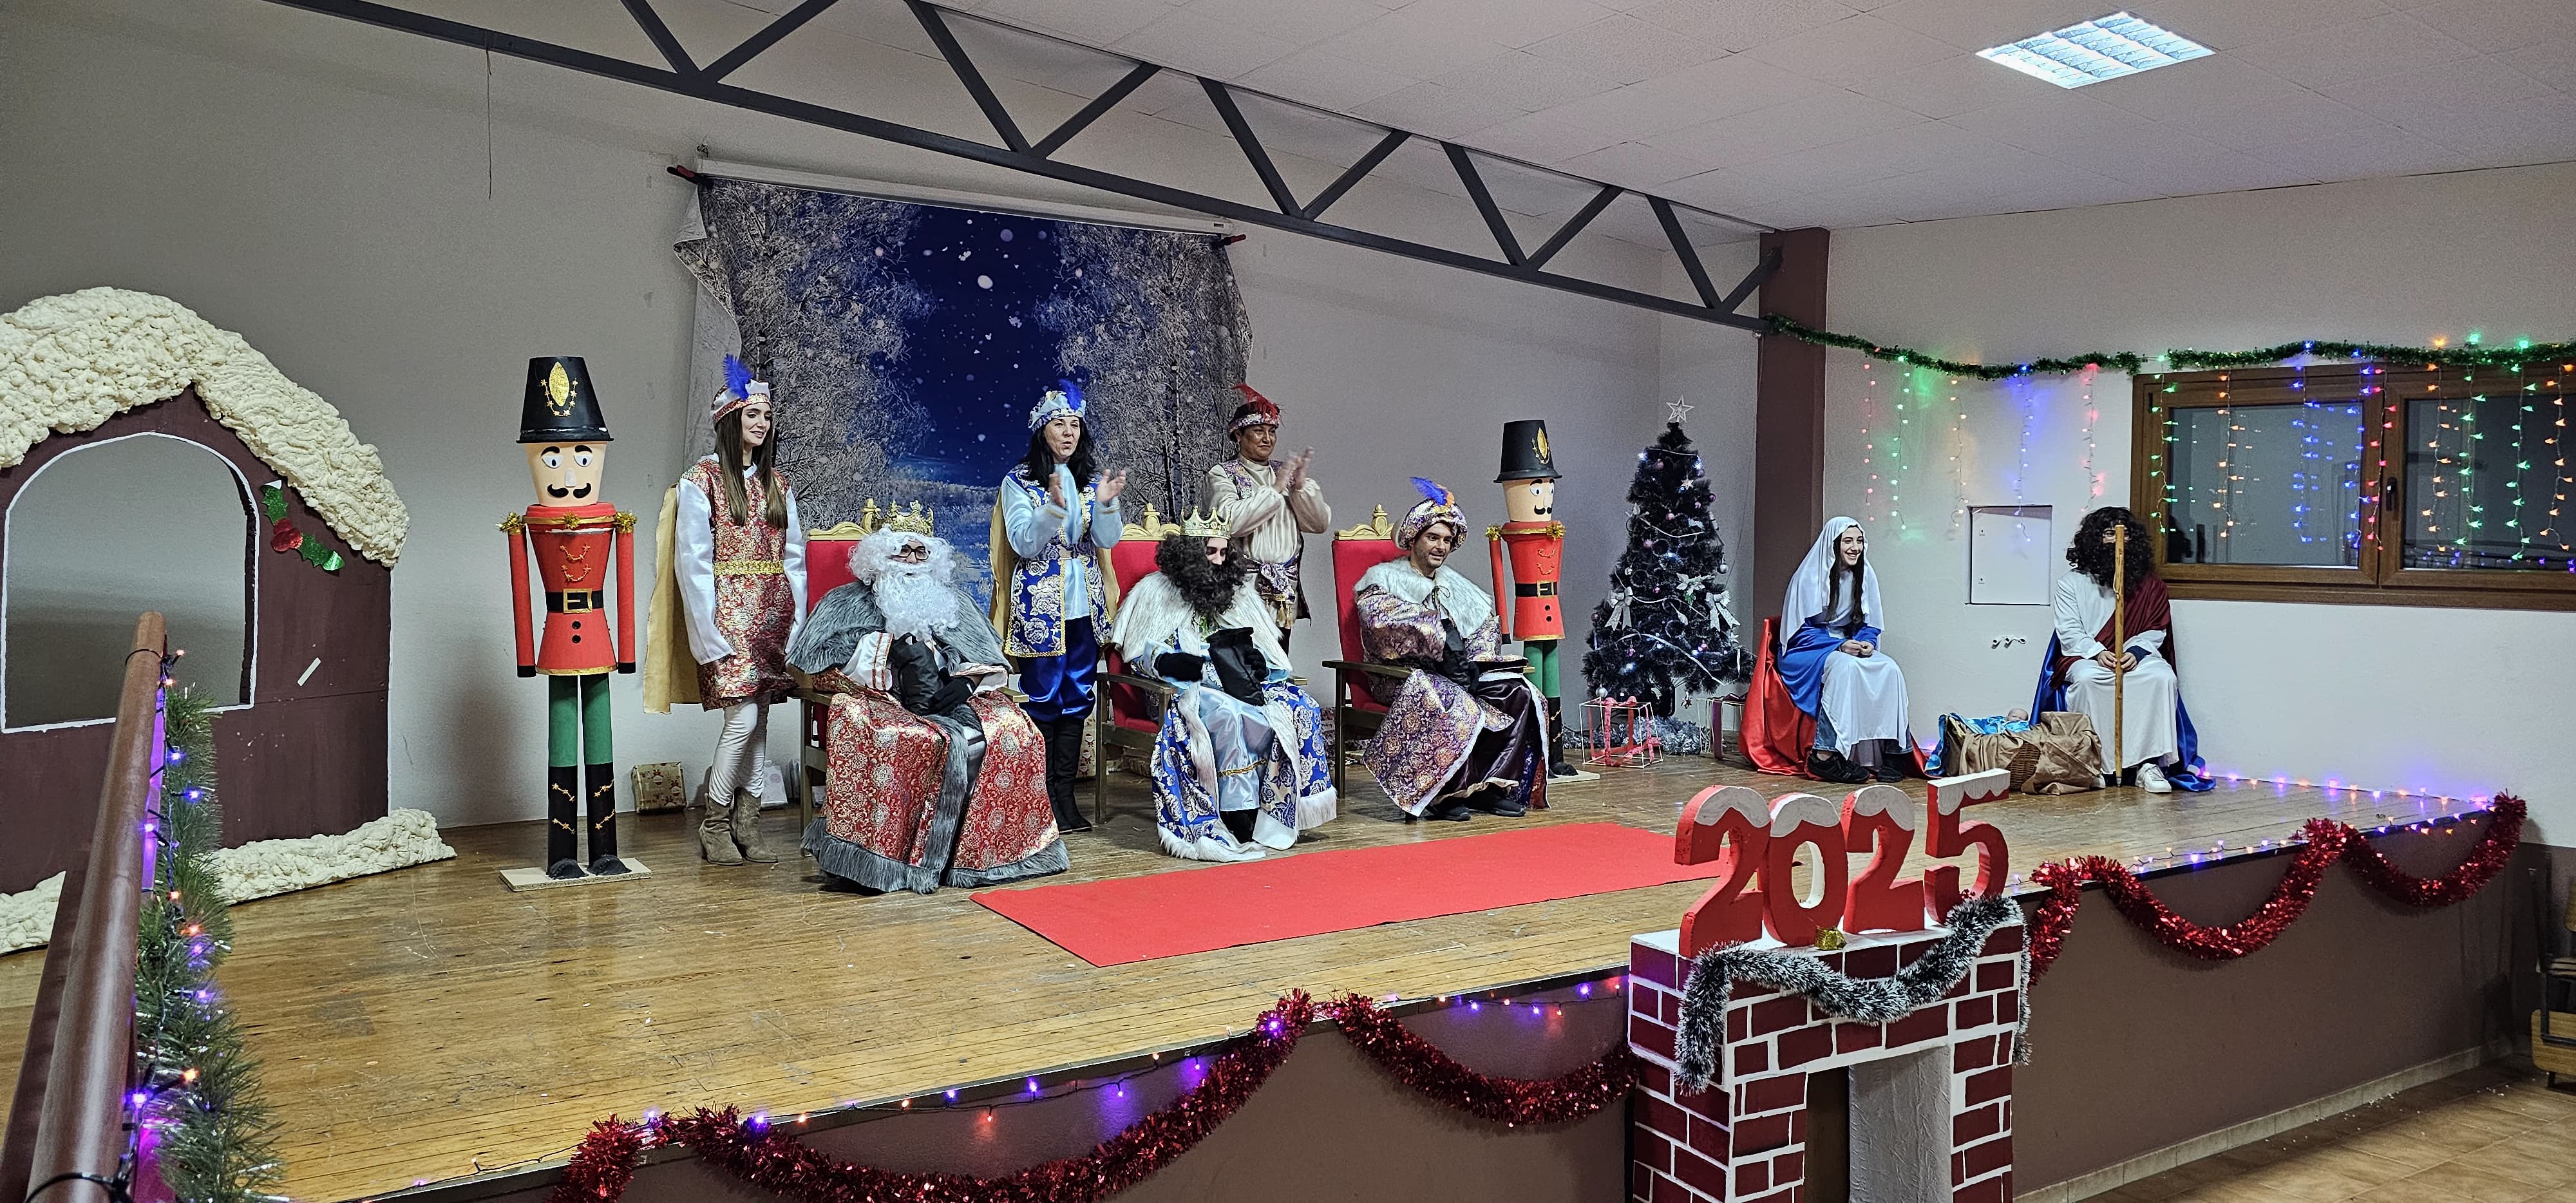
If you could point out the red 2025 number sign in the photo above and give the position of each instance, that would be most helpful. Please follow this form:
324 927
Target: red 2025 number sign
1754 844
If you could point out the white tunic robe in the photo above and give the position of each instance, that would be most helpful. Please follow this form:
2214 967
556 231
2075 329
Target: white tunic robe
2083 606
1862 696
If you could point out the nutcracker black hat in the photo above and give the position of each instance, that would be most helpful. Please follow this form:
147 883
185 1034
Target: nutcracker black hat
1525 454
561 406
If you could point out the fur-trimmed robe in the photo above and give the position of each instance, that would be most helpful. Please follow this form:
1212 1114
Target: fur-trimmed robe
1296 790
914 801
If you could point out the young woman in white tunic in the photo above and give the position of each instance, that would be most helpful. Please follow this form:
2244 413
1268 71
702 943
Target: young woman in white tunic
1831 662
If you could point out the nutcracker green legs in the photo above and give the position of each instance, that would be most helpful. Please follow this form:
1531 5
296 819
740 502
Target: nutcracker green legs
577 722
1543 656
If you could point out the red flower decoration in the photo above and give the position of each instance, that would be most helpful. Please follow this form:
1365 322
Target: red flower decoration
284 537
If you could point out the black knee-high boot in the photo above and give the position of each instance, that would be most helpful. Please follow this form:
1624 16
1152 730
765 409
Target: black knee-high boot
1064 762
563 822
599 789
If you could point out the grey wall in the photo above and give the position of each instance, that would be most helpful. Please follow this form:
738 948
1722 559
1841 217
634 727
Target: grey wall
330 192
141 523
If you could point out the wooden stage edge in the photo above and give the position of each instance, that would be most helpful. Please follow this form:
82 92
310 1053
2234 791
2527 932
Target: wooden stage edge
429 1025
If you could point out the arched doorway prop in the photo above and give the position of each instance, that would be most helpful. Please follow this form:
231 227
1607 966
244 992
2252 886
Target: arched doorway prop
302 738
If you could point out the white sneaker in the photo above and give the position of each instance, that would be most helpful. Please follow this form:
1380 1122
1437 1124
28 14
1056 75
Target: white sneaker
2152 780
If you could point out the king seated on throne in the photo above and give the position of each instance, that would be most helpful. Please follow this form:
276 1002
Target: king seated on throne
1468 731
1239 764
936 776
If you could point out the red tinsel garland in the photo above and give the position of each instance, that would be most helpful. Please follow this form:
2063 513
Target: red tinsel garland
605 1163
1412 1060
2327 842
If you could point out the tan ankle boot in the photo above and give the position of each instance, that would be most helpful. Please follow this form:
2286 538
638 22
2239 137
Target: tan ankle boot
715 837
746 830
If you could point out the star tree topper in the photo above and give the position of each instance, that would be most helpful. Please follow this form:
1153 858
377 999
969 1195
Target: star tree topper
1678 409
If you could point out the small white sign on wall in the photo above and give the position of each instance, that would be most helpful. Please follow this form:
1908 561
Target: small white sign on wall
2012 555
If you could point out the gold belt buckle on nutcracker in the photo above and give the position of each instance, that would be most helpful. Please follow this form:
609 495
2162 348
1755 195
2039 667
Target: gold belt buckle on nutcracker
575 601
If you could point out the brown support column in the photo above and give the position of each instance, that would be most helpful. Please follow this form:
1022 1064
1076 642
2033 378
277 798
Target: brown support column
1788 422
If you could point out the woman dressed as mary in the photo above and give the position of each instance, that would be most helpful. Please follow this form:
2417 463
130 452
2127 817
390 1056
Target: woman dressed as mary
1831 662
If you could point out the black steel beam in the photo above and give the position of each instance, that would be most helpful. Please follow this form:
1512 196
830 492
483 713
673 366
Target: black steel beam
1368 162
968 74
1252 150
1583 217
696 86
1493 215
1091 112
1688 254
678 55
1761 274
759 43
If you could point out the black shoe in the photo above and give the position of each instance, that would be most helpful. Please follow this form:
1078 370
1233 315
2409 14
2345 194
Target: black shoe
608 866
1826 765
565 870
1887 771
1451 812
1239 822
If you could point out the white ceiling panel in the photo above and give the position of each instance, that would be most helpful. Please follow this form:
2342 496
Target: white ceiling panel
1326 80
1950 86
2392 44
2228 24
1511 22
2497 25
1303 23
1626 49
1542 138
1527 82
1415 42
1854 50
1741 24
1203 45
2552 62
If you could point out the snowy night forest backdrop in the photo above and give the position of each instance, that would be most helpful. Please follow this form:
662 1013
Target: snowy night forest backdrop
907 342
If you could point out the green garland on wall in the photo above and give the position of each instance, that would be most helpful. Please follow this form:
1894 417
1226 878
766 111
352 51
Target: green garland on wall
212 1136
2470 354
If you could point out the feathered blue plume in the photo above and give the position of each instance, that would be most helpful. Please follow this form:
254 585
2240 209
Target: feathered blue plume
1431 490
737 377
1072 394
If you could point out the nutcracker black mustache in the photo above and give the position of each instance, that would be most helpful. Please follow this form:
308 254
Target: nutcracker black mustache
560 491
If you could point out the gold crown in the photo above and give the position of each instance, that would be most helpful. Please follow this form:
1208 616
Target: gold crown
1201 526
911 520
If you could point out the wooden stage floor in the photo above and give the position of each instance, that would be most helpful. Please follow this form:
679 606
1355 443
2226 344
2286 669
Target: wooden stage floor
426 1023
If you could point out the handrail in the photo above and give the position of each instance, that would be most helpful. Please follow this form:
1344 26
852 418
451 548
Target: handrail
68 1133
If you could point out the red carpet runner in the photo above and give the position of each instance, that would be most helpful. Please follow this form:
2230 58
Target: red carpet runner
1201 909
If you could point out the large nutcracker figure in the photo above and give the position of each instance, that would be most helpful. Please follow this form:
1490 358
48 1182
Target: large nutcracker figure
578 538
1529 554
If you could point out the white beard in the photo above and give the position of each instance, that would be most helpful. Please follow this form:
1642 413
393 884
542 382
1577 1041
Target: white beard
915 602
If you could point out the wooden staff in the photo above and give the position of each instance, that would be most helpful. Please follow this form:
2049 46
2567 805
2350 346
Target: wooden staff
2119 647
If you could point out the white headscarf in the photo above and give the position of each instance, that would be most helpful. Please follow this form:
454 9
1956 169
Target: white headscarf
1809 586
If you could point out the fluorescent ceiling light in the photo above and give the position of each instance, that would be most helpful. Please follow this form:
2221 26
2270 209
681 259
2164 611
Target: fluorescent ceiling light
2103 48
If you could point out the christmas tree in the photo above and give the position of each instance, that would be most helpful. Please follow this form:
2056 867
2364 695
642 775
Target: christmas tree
1666 628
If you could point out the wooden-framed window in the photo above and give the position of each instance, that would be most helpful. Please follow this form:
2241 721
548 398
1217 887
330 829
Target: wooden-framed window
2370 484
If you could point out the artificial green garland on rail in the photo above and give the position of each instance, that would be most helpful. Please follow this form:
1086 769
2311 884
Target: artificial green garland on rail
2470 354
212 1137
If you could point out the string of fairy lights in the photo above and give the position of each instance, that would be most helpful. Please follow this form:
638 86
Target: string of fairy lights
2290 482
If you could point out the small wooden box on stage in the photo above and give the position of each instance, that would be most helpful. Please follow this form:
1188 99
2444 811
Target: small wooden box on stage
533 877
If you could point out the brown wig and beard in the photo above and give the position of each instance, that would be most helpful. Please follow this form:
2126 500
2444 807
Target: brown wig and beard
764 460
2091 551
1209 588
